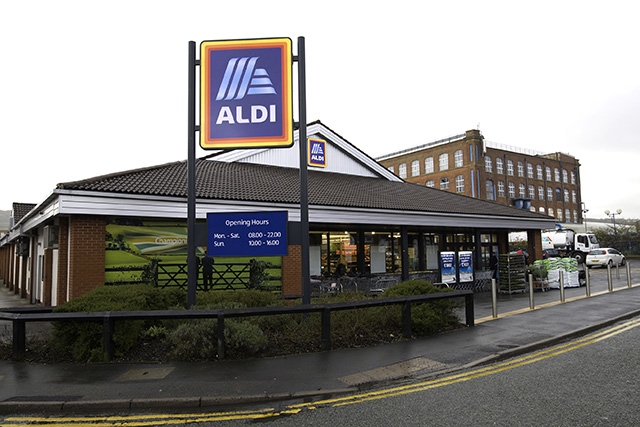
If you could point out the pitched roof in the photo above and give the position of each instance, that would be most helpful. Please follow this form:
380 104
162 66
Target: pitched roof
260 183
21 209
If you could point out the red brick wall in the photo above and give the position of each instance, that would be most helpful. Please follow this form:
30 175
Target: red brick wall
86 254
292 271
63 258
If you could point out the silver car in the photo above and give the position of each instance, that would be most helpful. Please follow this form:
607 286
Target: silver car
605 256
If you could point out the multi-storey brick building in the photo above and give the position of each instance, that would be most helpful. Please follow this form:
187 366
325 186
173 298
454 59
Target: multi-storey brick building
467 164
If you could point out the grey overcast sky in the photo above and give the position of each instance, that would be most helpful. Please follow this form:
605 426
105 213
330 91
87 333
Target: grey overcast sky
94 87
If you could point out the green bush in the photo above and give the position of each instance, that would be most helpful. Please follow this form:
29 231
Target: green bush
83 340
431 317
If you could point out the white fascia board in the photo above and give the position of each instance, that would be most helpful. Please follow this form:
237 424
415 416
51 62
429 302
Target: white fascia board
106 204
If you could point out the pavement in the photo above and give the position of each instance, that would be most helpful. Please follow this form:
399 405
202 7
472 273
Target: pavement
27 388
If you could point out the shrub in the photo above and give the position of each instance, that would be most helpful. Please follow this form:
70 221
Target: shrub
83 340
431 317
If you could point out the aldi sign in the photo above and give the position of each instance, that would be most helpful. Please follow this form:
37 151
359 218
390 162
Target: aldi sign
317 152
246 94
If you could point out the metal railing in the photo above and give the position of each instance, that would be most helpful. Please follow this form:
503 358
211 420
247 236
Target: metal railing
20 317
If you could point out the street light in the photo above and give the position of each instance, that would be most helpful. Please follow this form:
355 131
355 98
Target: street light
612 215
584 216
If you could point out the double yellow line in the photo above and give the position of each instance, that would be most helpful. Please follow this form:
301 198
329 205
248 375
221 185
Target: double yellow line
173 419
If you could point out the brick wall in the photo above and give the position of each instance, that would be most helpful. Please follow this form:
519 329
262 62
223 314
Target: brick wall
292 271
86 254
63 257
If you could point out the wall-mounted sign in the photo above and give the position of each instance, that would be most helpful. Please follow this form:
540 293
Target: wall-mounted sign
317 152
246 94
247 234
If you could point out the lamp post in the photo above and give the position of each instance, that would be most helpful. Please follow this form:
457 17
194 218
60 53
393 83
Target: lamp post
612 215
584 216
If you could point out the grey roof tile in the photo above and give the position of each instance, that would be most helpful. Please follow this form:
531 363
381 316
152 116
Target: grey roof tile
263 183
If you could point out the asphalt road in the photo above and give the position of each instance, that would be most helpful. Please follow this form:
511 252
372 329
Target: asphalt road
590 381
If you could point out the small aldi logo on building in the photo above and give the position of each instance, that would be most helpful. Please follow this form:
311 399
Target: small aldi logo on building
317 150
246 94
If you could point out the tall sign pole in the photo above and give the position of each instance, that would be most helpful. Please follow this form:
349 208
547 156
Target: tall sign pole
304 190
192 266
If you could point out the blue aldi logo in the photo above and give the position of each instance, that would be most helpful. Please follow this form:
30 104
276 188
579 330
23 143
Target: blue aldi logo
245 94
317 151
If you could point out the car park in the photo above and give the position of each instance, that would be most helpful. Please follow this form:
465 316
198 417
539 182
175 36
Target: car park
605 256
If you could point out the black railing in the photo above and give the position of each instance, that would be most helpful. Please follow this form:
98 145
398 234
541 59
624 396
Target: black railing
226 276
20 317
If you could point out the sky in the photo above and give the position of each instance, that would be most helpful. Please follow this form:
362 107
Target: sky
94 87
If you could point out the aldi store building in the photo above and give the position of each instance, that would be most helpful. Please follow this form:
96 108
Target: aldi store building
363 219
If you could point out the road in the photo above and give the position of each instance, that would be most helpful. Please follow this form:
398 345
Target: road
589 381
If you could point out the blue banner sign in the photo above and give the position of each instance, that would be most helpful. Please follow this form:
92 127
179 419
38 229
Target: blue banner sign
317 152
465 266
448 267
247 234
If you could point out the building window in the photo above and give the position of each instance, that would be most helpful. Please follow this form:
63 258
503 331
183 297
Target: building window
459 184
488 164
575 216
458 159
444 184
491 190
539 172
520 169
391 169
521 192
559 217
415 168
550 212
428 165
567 215
500 188
540 192
574 197
402 170
548 173
541 209
550 196
565 176
558 195
443 161
509 168
532 192
566 195
499 168
573 177
556 174
529 170
430 183
512 190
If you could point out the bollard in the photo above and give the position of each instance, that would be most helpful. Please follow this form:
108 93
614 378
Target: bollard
587 282
531 304
494 298
628 275
617 271
609 281
561 286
